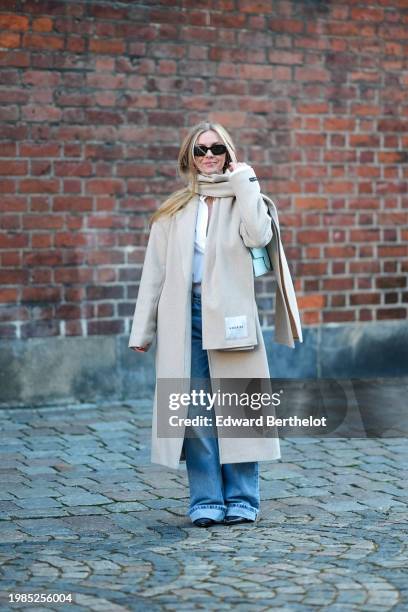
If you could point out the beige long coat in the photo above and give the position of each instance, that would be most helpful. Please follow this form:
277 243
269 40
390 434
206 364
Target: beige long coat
163 307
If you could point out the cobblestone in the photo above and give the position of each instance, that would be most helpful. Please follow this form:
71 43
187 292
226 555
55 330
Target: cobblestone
83 511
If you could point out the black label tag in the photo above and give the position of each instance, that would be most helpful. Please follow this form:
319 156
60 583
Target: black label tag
253 178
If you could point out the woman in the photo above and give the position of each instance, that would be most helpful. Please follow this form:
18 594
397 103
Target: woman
196 295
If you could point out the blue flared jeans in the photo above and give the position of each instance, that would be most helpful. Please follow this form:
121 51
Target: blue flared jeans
215 490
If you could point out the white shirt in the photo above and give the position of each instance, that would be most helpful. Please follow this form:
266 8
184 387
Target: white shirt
201 233
200 238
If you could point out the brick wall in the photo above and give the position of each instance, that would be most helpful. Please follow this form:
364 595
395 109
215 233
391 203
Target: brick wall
94 100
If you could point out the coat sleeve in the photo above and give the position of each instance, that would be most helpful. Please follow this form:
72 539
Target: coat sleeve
256 225
144 322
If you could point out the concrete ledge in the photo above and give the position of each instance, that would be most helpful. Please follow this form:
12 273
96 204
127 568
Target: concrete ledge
42 371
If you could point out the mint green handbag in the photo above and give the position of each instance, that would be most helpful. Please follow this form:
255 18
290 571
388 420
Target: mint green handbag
260 261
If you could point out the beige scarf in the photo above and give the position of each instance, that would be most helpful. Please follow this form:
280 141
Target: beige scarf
216 185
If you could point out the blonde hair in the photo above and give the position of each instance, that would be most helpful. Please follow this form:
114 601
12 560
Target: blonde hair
188 171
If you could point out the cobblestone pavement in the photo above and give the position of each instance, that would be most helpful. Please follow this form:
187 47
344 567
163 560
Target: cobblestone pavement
85 512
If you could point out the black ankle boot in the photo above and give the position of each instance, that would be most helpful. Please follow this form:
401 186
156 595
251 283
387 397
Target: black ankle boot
204 522
234 520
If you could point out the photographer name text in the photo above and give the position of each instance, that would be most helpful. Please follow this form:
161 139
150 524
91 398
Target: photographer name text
260 421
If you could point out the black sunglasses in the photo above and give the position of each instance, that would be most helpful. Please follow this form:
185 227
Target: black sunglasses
216 149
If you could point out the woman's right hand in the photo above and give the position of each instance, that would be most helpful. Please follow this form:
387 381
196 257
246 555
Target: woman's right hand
141 349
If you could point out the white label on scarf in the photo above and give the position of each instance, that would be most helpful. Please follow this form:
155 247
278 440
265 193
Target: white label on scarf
236 327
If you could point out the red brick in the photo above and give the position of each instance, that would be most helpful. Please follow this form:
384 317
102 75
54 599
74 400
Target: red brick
40 167
41 113
38 41
110 327
313 236
227 20
200 34
72 203
43 222
284 26
338 316
40 150
110 46
107 292
398 251
310 203
310 139
42 78
16 168
107 221
13 241
311 74
285 57
311 301
9 40
11 222
13 277
8 149
13 203
366 267
8 295
337 284
254 6
391 313
389 281
306 268
68 311
392 125
365 315
111 257
66 239
106 81
74 275
367 14
65 168
105 186
336 300
365 235
310 317
255 71
7 186
75 44
73 328
13 22
365 298
339 124
39 186
345 29
41 241
105 204
42 24
11 258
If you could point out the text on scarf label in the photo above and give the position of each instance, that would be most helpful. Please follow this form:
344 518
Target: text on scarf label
236 327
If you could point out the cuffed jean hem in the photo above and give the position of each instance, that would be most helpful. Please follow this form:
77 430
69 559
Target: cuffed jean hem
212 511
244 510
